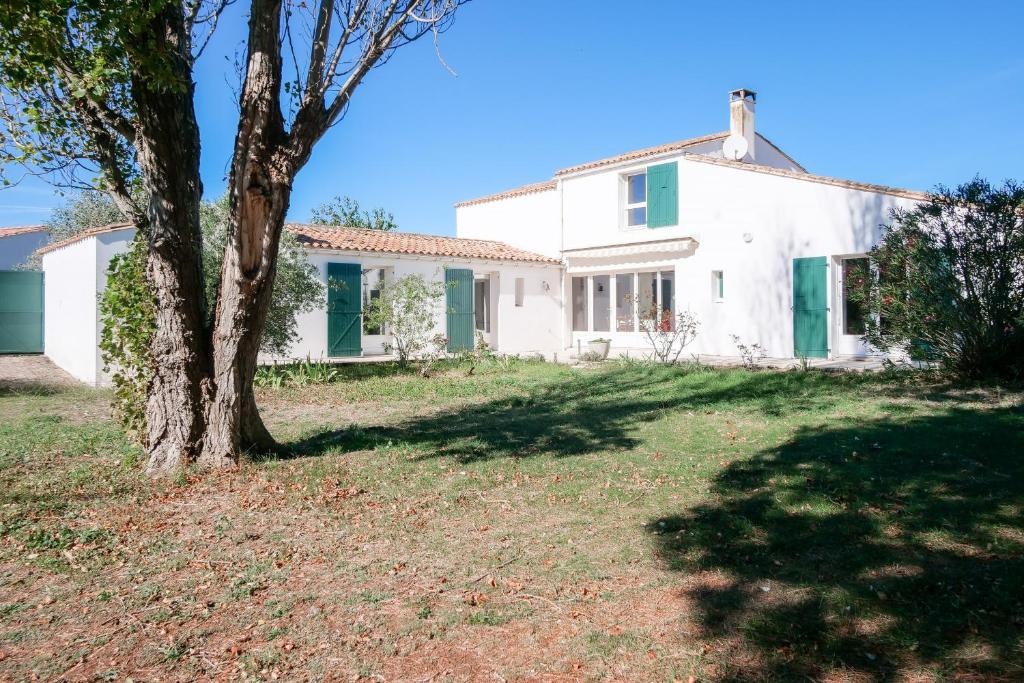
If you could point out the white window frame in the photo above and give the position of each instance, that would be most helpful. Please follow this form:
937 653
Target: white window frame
717 286
636 205
613 291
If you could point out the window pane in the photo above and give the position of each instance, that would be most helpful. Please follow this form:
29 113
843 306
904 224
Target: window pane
482 305
624 302
636 188
579 304
648 287
602 303
637 216
717 285
667 295
372 283
856 278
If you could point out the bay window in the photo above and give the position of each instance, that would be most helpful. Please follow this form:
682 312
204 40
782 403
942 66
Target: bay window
631 299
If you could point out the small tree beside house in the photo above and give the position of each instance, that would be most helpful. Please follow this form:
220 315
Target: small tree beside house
668 334
406 310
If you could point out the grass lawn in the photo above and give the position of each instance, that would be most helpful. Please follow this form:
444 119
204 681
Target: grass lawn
530 522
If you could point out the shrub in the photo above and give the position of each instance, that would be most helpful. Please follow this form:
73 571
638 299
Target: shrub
946 282
128 310
407 308
752 354
668 335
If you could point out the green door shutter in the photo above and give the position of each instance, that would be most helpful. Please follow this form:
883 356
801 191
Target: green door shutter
662 195
459 299
810 307
344 327
21 311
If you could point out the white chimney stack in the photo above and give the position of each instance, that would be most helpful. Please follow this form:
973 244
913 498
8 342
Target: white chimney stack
741 125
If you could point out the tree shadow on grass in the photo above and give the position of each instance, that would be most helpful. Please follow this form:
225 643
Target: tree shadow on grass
868 551
592 411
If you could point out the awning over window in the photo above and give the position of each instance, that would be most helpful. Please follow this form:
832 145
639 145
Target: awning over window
614 255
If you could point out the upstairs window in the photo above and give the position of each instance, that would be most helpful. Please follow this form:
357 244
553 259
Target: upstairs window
636 200
717 285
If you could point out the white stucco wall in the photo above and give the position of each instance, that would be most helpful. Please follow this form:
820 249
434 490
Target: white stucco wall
15 249
529 221
534 327
75 276
70 331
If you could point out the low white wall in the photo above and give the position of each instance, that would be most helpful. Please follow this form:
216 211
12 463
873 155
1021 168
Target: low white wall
70 331
75 277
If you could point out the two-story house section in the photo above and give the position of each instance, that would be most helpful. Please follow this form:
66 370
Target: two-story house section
726 225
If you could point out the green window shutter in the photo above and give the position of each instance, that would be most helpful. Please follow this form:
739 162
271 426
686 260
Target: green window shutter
810 307
663 195
21 311
459 304
344 309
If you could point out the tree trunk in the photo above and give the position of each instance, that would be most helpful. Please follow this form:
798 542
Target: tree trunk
259 191
168 144
247 281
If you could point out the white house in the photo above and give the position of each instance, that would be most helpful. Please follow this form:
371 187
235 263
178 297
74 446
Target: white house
511 296
725 225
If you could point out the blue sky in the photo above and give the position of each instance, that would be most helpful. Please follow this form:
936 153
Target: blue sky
909 94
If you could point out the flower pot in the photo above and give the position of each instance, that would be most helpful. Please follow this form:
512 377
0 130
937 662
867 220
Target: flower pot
599 347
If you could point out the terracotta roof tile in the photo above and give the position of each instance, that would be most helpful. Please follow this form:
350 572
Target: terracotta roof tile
525 189
88 232
812 178
21 230
386 242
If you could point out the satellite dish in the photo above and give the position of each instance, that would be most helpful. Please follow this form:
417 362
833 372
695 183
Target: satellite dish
735 147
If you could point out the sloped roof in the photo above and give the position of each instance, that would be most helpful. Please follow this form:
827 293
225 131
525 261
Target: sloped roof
644 153
88 232
679 145
516 192
389 242
21 230
380 241
811 177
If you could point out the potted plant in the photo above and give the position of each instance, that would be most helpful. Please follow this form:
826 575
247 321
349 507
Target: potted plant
599 347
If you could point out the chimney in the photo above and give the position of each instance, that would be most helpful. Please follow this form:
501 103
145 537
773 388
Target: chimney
741 118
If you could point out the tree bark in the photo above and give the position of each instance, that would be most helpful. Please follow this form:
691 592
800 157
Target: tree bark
259 193
168 155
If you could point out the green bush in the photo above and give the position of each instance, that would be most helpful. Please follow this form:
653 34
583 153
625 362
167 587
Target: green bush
946 282
128 310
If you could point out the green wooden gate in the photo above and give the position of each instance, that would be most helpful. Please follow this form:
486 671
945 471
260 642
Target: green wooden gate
21 311
810 307
459 299
344 309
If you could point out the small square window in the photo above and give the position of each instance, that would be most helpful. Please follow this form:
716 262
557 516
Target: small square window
717 285
520 291
636 200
